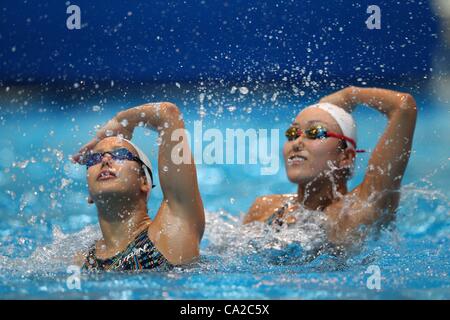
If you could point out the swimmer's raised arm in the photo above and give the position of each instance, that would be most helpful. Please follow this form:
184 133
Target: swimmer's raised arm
181 216
390 157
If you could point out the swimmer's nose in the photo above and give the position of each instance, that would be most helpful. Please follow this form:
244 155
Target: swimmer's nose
106 159
299 144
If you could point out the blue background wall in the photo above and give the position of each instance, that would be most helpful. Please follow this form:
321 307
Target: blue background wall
190 40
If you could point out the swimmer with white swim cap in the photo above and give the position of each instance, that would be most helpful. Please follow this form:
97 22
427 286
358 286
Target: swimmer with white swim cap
120 180
319 157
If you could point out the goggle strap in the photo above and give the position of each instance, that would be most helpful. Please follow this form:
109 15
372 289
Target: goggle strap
342 137
148 175
338 136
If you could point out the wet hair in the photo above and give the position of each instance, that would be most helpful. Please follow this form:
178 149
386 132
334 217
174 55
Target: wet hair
343 145
347 172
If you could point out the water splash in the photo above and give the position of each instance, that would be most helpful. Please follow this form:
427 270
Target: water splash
53 257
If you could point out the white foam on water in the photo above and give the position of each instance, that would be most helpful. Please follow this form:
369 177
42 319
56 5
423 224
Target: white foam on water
229 240
53 257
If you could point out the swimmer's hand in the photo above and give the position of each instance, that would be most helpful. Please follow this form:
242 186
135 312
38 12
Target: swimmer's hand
112 128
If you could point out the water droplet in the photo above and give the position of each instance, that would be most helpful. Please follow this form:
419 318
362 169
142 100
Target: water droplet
59 154
124 122
21 165
243 90
96 108
231 108
274 97
64 183
165 169
109 133
12 194
201 97
201 112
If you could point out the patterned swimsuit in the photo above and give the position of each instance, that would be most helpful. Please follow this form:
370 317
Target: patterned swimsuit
140 254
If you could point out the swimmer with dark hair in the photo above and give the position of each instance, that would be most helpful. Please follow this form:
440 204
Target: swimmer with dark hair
120 180
319 156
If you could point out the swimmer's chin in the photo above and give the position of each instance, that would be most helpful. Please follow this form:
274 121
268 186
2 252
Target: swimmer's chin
106 194
298 178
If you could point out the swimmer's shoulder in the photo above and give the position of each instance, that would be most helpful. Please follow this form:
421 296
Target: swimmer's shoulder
265 206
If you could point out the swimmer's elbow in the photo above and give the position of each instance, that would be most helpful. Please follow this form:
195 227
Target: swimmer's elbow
408 105
170 108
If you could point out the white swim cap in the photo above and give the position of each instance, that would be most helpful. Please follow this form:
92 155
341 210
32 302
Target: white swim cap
343 119
147 166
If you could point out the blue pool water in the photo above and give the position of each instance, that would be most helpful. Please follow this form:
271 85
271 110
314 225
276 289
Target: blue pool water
45 218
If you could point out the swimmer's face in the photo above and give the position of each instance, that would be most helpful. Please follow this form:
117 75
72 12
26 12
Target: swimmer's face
306 159
115 177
